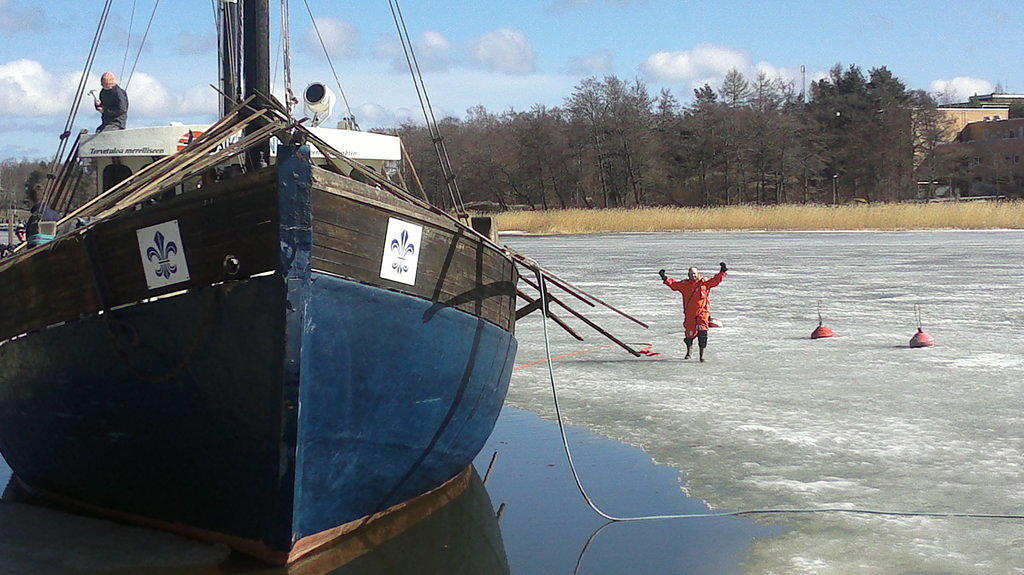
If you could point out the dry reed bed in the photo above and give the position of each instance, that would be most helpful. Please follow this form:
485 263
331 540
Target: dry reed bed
964 215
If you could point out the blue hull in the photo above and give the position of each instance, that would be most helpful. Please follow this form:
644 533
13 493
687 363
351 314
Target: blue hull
391 405
394 399
267 412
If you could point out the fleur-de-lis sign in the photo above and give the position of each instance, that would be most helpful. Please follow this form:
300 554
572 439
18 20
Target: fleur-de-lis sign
402 249
161 253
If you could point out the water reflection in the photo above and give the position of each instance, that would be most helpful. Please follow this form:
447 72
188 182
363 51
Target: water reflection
461 536
545 527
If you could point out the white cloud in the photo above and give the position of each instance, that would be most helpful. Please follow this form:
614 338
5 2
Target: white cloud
340 37
15 19
199 100
709 63
433 52
702 62
597 63
961 88
371 116
506 50
28 90
148 97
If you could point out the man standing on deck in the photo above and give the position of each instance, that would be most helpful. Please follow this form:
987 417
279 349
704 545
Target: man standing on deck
696 292
41 212
112 104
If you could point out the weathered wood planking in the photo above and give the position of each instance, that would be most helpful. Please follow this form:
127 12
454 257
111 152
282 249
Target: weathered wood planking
455 268
100 267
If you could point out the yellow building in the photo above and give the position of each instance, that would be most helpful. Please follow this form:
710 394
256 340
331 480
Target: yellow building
958 117
992 152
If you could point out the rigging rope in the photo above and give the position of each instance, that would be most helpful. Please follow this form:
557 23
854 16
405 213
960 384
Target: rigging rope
428 111
779 511
142 44
286 60
77 102
128 41
330 62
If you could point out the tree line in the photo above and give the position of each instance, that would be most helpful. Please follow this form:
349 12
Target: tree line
612 143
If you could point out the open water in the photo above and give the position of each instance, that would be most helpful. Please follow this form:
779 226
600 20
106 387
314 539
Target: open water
775 419
527 519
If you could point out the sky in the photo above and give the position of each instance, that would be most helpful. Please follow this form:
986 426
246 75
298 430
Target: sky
499 54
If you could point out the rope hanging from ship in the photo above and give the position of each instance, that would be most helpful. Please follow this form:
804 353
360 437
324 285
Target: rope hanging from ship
542 289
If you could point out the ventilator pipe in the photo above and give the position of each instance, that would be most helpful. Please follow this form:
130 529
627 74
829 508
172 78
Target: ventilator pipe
319 101
821 331
921 339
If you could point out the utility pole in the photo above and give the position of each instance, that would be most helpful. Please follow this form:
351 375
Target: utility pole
803 83
835 189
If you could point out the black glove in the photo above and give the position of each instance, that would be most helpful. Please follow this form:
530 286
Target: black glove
722 266
662 274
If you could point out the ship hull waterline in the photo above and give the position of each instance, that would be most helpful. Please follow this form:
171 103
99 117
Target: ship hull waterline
272 412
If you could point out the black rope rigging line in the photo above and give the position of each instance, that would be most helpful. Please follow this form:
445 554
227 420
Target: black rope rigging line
434 135
142 44
327 54
77 102
428 110
231 38
128 42
274 66
430 107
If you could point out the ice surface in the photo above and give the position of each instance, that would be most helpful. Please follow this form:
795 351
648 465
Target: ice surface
775 419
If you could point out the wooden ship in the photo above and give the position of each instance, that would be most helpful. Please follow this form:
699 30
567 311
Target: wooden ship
254 338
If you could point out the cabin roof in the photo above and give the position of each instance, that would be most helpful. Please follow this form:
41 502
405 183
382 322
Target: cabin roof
166 140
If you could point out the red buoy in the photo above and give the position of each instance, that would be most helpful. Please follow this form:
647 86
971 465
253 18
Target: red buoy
922 339
822 331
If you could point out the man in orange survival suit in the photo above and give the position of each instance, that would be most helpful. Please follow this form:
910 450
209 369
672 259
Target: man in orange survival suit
696 292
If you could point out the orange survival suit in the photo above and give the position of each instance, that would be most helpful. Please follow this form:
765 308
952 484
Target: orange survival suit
696 301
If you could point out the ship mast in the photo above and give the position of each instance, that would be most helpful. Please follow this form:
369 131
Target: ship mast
256 67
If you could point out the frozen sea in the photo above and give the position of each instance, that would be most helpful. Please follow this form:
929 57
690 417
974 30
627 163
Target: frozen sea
775 419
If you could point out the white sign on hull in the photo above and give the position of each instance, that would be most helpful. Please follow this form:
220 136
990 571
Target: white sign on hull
401 251
163 255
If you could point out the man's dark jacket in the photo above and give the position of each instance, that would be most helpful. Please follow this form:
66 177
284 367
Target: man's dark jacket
115 107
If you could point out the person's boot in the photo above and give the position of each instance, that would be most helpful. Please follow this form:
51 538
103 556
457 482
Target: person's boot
702 355
688 349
